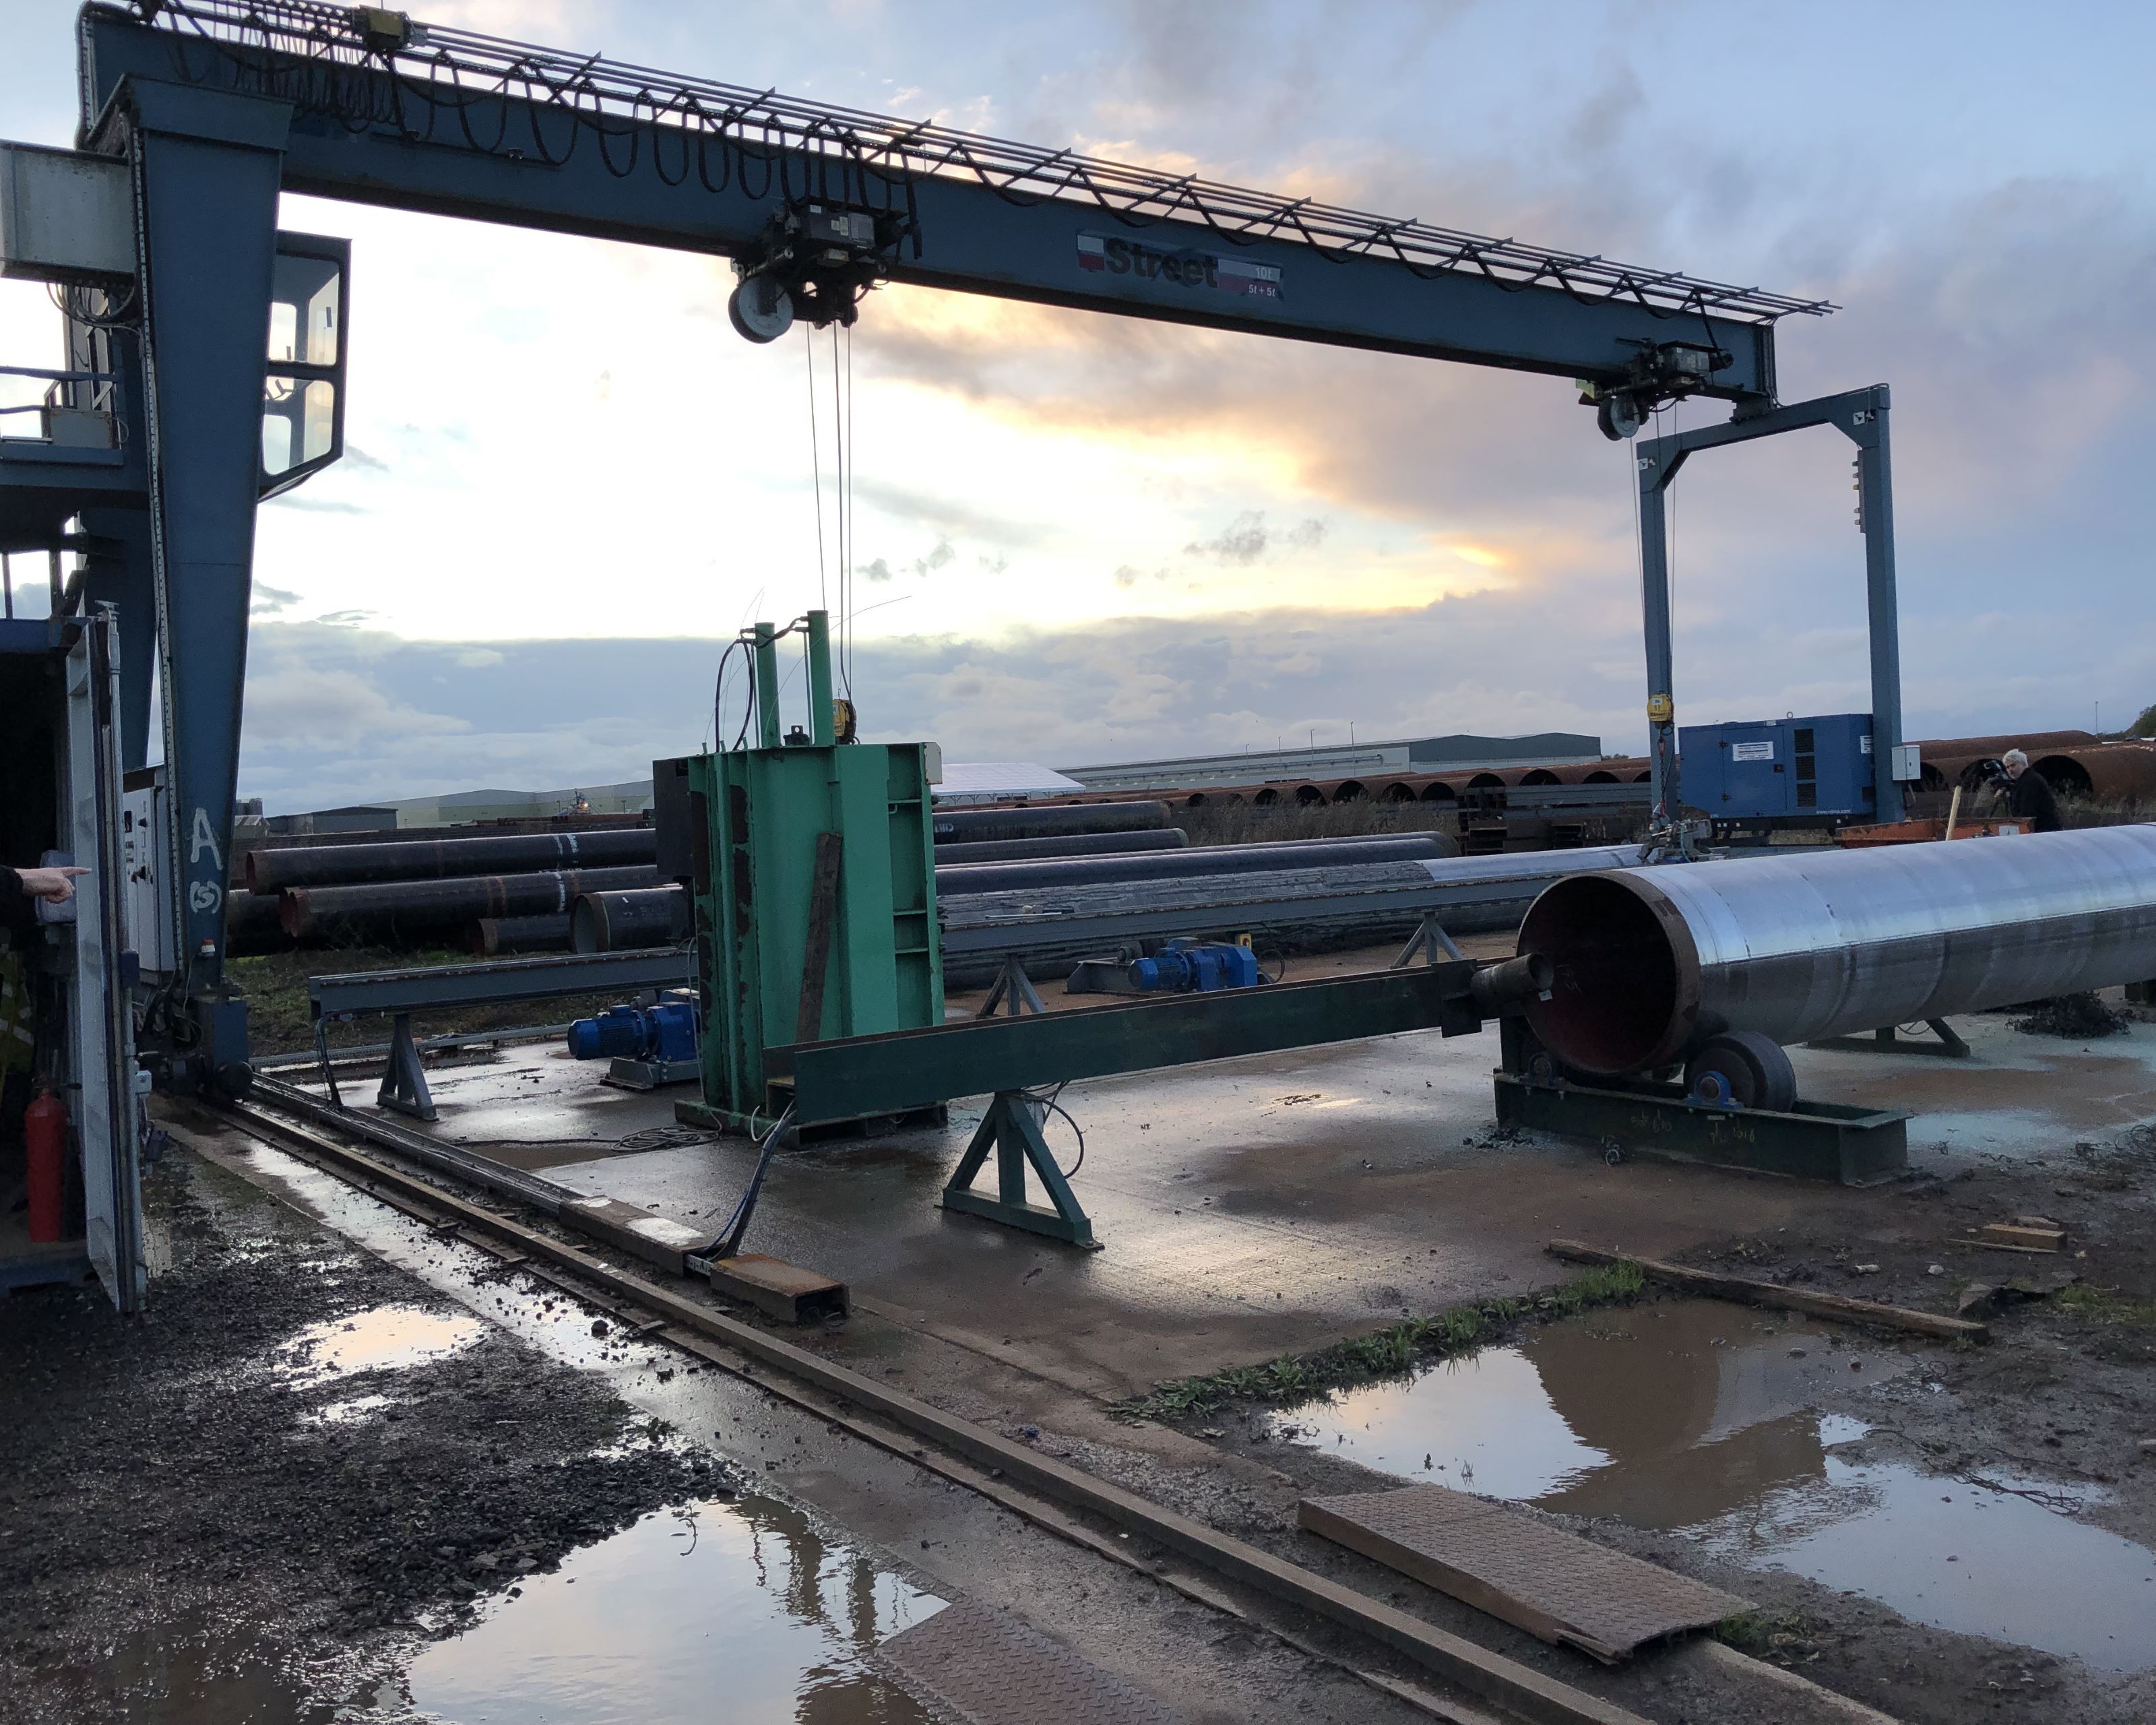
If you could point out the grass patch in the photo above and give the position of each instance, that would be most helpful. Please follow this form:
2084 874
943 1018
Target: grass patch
1763 1632
2107 1307
1389 1352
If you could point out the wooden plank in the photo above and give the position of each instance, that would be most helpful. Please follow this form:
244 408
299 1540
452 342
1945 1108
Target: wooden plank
1754 1292
816 952
1556 1585
2028 1236
778 1289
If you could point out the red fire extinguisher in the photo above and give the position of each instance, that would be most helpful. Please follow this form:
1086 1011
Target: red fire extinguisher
44 1130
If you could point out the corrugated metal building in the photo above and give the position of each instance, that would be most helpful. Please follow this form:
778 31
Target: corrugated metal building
1463 753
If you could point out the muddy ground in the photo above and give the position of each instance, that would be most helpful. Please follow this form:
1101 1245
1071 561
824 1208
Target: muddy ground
2065 1391
177 1469
213 1493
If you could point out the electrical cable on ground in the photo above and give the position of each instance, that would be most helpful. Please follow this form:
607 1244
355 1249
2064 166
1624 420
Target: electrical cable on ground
1047 1099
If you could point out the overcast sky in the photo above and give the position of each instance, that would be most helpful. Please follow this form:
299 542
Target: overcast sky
1089 538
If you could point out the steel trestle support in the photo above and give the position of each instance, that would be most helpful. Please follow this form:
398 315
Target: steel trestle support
1011 1127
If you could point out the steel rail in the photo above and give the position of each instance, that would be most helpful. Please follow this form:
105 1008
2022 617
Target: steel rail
620 101
1520 1689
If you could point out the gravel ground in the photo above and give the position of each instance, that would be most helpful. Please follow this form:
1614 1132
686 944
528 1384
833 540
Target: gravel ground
175 1471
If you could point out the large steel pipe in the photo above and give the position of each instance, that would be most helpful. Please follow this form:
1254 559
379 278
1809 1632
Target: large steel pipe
272 871
999 851
1649 962
1190 865
498 937
628 921
1034 821
406 907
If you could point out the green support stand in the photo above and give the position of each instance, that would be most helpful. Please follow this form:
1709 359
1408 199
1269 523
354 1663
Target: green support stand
1012 1130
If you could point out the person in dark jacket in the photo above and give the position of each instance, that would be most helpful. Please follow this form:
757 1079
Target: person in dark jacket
2028 794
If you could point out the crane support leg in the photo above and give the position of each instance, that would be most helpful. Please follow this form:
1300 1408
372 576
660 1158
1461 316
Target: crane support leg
1860 416
207 171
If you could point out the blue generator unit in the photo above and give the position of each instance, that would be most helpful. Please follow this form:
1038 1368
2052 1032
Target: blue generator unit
1194 967
1794 772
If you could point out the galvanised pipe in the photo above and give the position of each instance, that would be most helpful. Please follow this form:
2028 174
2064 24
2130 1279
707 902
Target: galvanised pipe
1034 821
404 908
1650 962
997 850
1210 859
269 872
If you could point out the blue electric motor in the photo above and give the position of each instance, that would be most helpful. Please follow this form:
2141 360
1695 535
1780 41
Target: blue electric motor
664 1032
1184 968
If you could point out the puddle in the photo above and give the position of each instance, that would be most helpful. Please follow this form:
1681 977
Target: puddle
1701 1417
1943 1552
1663 1414
738 1610
198 1671
386 1339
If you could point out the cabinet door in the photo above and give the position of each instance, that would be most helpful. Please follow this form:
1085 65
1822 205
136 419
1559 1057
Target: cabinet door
101 1096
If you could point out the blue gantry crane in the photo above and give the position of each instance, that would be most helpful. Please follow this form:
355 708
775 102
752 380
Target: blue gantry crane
175 416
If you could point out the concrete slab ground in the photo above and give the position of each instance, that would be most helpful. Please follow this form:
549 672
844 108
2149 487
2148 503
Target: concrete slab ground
1264 1206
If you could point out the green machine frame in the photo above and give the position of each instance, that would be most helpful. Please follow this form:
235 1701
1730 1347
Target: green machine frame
814 886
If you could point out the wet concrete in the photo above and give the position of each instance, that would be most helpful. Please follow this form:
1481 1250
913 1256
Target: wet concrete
1256 1207
1745 1430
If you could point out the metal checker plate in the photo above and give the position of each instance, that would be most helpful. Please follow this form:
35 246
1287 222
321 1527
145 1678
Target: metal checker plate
1554 1584
993 1670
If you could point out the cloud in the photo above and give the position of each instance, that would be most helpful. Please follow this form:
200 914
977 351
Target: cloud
1246 538
880 570
948 517
942 553
342 715
1242 540
267 601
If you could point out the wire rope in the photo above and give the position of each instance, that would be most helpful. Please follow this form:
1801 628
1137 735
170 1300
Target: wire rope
815 464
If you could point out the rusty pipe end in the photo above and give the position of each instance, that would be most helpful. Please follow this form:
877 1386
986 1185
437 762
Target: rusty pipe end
1624 988
1503 989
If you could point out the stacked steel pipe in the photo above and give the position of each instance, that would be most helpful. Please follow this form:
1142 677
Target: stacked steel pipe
502 892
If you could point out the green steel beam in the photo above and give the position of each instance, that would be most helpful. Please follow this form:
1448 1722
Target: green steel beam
766 686
906 1069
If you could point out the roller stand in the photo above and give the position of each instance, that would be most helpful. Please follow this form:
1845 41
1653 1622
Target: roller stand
1807 1141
